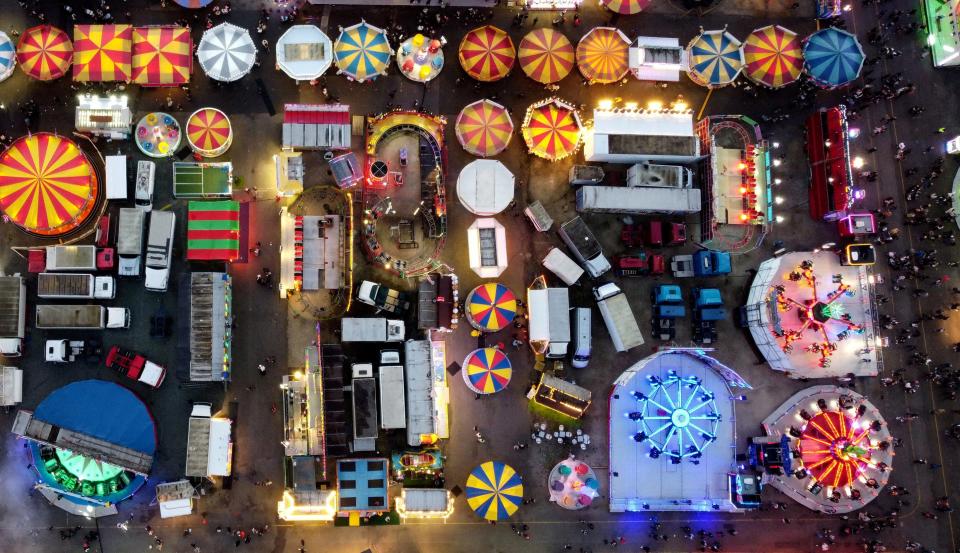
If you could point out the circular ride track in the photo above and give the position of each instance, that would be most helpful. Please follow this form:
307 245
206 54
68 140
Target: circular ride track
405 215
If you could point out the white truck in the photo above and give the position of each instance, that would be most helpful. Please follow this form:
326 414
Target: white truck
638 199
71 258
393 404
79 317
584 246
130 241
115 168
13 315
143 189
75 286
159 251
371 329
618 316
549 314
63 351
561 265
209 443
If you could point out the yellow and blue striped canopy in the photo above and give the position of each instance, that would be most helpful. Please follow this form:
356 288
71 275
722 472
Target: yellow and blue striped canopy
494 490
715 59
832 57
362 52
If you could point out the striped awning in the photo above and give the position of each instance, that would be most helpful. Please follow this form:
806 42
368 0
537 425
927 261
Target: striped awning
213 230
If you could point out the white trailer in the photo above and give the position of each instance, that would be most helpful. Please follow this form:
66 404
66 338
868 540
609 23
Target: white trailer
116 173
209 443
371 329
561 265
130 241
636 200
11 386
393 403
584 246
618 316
549 312
77 286
13 314
159 251
78 317
633 136
71 258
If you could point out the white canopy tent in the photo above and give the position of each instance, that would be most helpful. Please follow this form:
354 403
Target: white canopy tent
304 52
487 246
226 52
485 187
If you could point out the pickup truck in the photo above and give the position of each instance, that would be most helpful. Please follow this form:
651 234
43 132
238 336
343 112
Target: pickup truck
384 298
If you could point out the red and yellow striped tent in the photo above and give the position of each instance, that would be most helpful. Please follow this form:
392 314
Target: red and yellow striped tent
162 56
213 230
44 52
101 52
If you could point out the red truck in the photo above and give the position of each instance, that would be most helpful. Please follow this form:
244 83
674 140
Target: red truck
136 367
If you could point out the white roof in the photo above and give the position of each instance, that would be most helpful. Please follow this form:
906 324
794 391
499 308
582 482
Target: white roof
152 374
226 52
304 52
420 419
485 187
218 454
425 500
630 122
392 398
549 310
11 386
487 247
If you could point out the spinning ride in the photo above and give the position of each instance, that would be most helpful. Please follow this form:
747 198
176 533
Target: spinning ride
491 307
158 134
487 53
487 371
678 416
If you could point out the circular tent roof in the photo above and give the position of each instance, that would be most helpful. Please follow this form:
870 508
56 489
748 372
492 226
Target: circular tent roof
484 128
494 490
485 187
158 134
44 52
491 307
362 52
226 52
8 56
209 132
545 55
304 52
552 129
47 185
603 55
715 59
772 56
487 53
626 7
832 57
193 4
487 370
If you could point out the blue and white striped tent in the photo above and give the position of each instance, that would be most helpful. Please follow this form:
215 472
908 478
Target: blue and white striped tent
8 56
832 57
362 52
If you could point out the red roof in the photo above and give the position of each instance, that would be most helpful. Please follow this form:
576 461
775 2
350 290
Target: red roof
317 114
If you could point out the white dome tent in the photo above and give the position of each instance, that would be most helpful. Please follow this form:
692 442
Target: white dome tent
304 52
485 187
226 52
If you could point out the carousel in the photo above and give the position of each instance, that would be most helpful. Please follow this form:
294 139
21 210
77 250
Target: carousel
420 59
48 187
362 52
487 53
209 132
226 52
484 128
158 135
715 59
573 484
625 7
8 56
552 129
603 55
545 55
490 307
494 491
487 371
772 56
44 52
832 57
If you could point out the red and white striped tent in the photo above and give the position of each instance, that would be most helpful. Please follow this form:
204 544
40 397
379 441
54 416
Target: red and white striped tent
316 126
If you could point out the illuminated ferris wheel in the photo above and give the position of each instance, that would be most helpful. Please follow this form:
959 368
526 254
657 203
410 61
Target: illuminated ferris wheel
677 417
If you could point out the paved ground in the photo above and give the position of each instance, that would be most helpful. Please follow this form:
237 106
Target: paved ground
25 518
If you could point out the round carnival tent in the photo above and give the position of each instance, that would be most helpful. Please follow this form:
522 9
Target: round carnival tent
603 55
102 52
8 56
209 132
157 134
226 52
487 53
715 59
772 56
44 52
420 58
546 55
490 307
494 490
626 7
304 52
47 185
832 57
573 484
362 52
484 128
485 187
193 4
487 371
552 129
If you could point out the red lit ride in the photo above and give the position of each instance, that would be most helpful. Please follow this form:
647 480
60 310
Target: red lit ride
828 151
136 367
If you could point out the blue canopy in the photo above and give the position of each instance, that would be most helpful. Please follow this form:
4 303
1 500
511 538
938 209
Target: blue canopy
832 57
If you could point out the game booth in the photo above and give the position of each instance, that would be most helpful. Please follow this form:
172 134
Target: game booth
831 174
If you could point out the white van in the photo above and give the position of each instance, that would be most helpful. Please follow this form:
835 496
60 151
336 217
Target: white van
582 337
561 265
144 188
116 172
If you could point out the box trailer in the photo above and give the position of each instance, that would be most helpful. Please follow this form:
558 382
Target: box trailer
130 241
81 317
209 443
639 199
549 313
561 265
393 404
13 307
584 246
75 286
618 316
71 258
159 251
115 169
371 329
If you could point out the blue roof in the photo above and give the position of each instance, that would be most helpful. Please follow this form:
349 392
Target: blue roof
103 410
362 484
